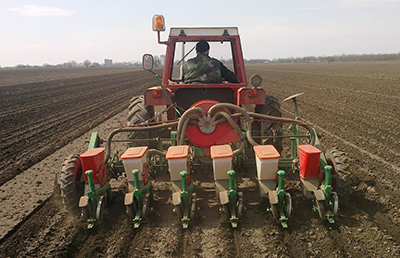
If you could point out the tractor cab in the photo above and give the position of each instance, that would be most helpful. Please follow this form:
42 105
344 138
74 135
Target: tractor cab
181 46
204 127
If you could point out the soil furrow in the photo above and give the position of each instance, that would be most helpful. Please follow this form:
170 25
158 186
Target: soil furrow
352 106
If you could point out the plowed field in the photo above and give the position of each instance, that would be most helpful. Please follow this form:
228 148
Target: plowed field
353 106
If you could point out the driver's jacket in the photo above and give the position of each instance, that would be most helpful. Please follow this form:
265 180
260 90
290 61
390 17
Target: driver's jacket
203 69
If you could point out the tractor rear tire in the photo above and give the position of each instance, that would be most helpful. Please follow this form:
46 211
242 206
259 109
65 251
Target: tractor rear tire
137 110
139 113
271 108
70 182
341 181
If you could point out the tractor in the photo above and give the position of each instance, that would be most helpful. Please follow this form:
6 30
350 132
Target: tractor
221 128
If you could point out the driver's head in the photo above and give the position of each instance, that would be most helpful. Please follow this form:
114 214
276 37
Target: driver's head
202 47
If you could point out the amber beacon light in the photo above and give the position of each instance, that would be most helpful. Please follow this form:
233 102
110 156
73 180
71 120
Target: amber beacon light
158 23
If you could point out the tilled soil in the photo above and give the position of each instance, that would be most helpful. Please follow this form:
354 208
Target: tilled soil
353 106
40 117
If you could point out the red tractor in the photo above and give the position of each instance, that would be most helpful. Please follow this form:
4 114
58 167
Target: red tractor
221 127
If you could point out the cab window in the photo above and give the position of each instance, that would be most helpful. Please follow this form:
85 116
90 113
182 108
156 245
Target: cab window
185 51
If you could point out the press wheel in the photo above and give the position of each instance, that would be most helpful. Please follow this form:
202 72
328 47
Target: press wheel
335 202
193 206
288 208
101 208
145 207
240 204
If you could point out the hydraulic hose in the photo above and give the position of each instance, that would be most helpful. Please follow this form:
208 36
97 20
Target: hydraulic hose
237 130
247 116
184 121
194 113
243 112
156 152
132 129
287 120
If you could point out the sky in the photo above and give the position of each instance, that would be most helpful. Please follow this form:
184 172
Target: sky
55 31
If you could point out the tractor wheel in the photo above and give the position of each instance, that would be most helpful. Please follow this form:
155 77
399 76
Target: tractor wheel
139 113
137 110
341 180
264 129
70 182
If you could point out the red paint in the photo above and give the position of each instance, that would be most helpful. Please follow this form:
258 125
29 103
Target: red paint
223 133
93 159
309 161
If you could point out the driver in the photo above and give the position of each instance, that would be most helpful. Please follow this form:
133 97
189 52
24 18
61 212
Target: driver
206 69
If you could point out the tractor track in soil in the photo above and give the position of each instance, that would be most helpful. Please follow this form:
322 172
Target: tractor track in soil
337 101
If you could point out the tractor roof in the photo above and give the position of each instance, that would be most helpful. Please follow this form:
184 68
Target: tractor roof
204 31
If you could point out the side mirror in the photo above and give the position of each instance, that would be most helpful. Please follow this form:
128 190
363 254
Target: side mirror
148 62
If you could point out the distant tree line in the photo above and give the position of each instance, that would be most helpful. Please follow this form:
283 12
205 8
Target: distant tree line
159 60
70 64
329 59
